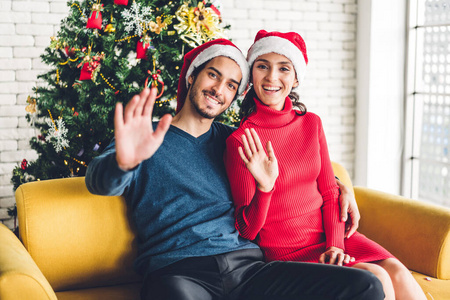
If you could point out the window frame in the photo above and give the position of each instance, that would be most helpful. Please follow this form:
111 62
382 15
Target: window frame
413 122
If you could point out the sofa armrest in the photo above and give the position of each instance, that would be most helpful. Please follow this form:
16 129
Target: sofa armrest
416 232
20 277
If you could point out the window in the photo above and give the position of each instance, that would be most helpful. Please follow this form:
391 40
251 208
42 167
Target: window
427 165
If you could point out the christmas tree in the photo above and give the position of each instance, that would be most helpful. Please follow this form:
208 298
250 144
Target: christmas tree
105 52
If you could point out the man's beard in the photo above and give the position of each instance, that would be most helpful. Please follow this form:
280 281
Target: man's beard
194 94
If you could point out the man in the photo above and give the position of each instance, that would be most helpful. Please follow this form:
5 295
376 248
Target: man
174 181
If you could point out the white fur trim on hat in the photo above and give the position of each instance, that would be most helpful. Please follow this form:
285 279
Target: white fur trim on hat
280 46
222 50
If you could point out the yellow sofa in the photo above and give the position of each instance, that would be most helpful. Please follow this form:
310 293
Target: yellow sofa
75 245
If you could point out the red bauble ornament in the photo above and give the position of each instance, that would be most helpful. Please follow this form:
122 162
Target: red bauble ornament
121 2
95 20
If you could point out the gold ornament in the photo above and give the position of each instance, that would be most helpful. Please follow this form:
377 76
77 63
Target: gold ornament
110 28
55 43
201 17
31 107
197 24
158 26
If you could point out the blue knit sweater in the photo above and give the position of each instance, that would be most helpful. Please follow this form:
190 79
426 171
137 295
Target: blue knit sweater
180 198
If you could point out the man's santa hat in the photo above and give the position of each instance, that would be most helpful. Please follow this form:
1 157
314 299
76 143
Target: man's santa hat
289 44
204 53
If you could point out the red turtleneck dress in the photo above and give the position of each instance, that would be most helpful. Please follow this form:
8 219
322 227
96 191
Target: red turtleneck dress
299 219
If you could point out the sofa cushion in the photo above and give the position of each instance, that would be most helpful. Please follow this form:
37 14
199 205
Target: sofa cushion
77 239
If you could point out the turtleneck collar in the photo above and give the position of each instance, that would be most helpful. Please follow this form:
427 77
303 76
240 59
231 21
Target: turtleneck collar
265 116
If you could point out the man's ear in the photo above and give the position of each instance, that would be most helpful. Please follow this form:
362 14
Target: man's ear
191 79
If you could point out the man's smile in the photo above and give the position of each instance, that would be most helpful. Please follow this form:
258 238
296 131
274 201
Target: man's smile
212 99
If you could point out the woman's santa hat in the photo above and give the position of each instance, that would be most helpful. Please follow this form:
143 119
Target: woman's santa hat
289 44
204 53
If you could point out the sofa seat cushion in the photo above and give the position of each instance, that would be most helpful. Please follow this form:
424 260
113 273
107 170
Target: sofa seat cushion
437 289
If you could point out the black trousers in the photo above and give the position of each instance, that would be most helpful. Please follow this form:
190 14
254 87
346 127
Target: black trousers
243 275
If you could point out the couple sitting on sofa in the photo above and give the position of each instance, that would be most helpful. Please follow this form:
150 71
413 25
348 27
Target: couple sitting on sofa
193 240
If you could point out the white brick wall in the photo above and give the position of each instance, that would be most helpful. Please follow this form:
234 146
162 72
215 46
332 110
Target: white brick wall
25 30
328 27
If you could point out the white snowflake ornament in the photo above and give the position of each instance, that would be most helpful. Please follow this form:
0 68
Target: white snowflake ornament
135 18
57 134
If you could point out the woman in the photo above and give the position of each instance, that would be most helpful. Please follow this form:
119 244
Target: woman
287 200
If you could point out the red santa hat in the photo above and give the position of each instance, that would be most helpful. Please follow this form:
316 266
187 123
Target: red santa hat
289 44
204 53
